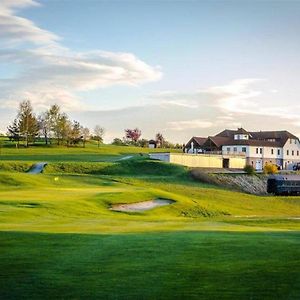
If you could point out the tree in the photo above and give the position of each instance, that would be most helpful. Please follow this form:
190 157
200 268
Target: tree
74 134
53 115
118 142
85 134
133 134
45 126
159 140
13 132
27 122
98 134
142 143
64 127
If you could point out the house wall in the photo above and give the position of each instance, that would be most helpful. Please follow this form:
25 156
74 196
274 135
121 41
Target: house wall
237 162
257 156
200 160
193 160
291 153
160 156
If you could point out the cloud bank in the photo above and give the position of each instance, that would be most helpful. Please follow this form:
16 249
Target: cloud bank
49 72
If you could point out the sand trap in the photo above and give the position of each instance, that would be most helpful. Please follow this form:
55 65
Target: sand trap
141 206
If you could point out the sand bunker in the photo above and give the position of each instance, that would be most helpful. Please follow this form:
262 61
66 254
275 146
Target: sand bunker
141 206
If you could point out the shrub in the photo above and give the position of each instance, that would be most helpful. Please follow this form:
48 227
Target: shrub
118 142
270 169
248 169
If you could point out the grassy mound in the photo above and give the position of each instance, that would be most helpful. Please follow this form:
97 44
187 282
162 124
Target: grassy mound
130 167
15 166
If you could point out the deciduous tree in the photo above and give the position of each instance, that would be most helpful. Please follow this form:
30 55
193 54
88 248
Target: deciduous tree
159 140
27 122
98 134
133 134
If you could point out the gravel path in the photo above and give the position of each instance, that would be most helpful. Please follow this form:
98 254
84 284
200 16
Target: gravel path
125 157
37 168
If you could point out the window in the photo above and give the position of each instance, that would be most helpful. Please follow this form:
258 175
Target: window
228 149
287 152
234 149
272 151
278 151
292 152
244 149
297 152
256 150
260 150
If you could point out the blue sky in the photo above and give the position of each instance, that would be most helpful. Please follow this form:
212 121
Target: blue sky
180 67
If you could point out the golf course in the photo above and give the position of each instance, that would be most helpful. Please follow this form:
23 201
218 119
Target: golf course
109 223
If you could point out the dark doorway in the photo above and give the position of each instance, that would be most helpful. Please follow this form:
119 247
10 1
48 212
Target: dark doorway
226 163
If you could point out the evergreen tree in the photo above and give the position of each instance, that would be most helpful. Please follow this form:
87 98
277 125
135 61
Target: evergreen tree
27 122
13 132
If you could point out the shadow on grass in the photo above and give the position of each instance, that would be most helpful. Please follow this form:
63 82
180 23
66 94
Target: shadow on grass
174 265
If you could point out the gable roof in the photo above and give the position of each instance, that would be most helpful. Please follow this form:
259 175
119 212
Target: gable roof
196 139
219 140
242 131
226 133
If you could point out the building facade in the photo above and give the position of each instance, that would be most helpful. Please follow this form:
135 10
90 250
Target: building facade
277 147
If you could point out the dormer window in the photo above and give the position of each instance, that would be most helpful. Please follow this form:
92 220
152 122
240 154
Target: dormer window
239 137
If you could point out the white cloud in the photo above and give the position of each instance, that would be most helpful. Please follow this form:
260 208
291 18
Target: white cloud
15 29
189 124
49 72
238 97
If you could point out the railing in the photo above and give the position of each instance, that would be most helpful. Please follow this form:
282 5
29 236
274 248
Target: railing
234 153
217 152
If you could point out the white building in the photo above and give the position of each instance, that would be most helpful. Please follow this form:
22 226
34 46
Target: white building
277 147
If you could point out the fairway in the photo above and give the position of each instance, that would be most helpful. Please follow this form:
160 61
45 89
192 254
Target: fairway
61 240
200 265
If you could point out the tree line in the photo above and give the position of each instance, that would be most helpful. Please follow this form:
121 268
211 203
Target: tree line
133 137
52 125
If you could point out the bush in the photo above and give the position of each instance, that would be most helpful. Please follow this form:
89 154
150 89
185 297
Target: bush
118 142
248 169
270 169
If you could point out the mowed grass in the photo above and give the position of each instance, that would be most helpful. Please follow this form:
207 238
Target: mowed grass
80 204
174 265
60 240
91 153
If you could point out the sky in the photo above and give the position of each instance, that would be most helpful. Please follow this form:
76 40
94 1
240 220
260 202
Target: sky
182 68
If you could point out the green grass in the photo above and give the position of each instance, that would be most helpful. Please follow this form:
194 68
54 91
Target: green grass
59 240
200 265
80 203
91 153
